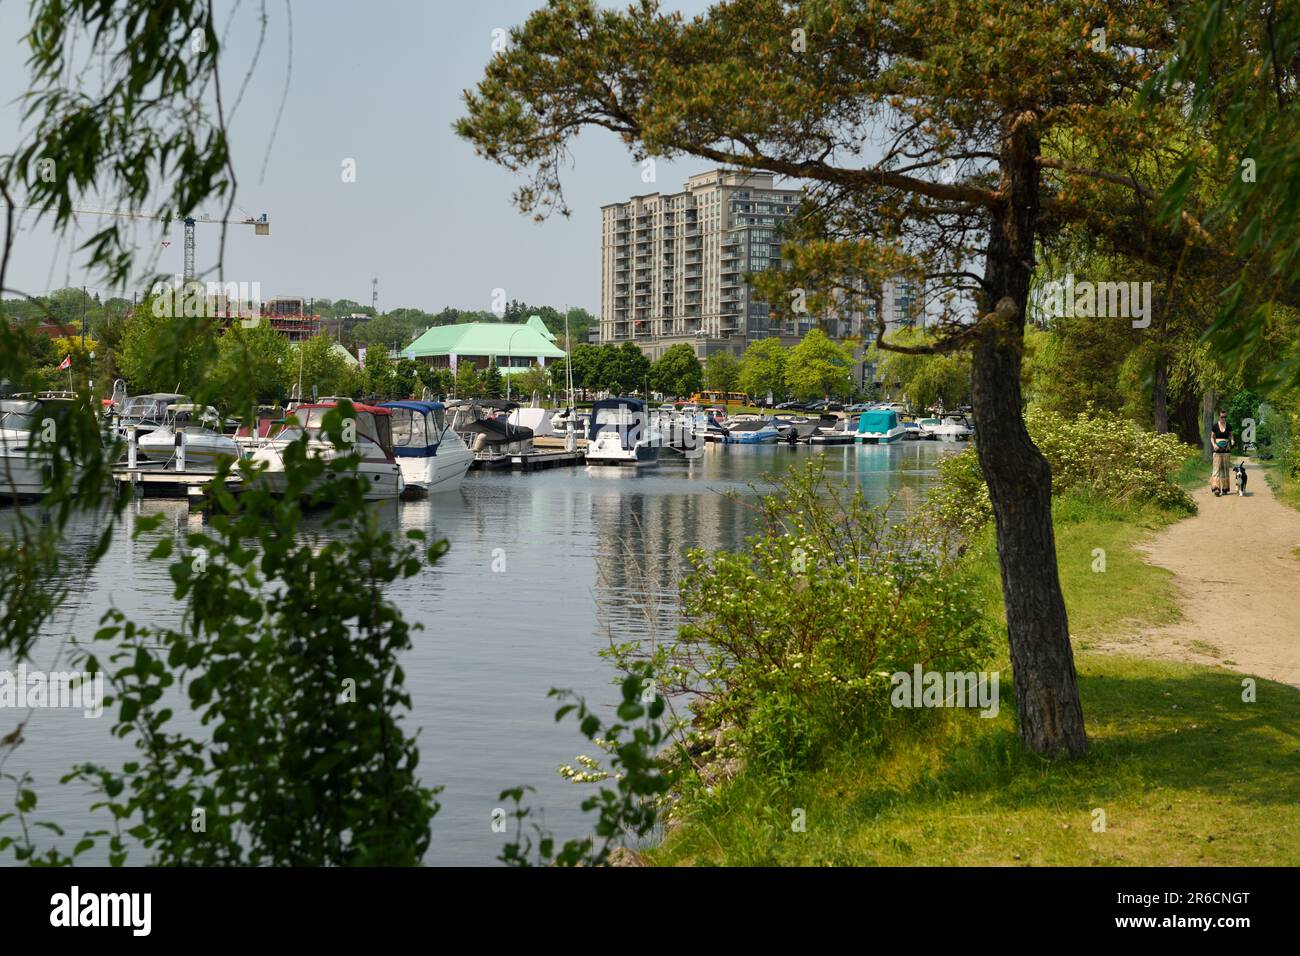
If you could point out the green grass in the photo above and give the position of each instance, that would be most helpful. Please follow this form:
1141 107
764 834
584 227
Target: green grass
1195 471
1096 601
1184 770
1285 486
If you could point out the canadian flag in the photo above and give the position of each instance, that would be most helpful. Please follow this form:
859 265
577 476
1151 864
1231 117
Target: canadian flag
67 363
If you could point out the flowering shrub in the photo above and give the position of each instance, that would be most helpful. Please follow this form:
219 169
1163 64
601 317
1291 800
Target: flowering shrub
1111 458
790 645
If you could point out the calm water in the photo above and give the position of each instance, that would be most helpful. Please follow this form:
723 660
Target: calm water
581 551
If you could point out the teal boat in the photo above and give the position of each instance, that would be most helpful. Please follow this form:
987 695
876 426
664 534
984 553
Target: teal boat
880 426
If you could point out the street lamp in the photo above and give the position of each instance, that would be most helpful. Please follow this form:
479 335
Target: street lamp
510 358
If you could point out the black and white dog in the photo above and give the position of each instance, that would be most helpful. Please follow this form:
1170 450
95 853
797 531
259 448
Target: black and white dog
1239 475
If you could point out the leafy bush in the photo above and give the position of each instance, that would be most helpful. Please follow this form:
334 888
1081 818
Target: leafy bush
641 781
788 647
288 653
1110 458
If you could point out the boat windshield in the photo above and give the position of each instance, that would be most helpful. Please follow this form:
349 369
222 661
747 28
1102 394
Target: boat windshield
615 418
149 407
416 429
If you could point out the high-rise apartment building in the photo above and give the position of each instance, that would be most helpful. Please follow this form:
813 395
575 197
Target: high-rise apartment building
673 266
673 269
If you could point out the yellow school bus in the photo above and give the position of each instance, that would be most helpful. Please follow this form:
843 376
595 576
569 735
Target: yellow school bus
721 399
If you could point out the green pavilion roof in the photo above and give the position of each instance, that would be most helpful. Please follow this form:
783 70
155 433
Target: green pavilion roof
486 338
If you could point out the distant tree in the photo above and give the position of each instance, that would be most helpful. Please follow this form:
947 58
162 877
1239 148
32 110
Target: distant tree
762 369
819 367
494 385
389 331
678 371
72 346
149 368
322 368
583 358
407 381
379 377
439 381
535 381
630 367
254 365
721 372
469 383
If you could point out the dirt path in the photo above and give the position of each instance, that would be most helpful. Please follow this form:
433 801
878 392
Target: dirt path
1236 567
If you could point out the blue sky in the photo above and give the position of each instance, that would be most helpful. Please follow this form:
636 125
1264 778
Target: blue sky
378 82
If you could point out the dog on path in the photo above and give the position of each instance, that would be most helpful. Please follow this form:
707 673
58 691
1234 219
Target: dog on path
1239 476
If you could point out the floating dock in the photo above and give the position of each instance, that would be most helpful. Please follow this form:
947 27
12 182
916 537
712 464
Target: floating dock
156 482
536 460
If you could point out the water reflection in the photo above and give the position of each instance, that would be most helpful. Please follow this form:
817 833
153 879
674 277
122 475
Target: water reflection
544 570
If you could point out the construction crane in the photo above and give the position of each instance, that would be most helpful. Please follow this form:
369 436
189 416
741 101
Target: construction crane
261 227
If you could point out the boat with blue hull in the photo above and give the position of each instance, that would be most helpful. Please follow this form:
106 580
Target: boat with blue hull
751 431
433 458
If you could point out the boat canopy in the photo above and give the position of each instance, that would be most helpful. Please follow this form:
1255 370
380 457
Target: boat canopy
878 421
374 424
18 414
496 404
417 427
622 415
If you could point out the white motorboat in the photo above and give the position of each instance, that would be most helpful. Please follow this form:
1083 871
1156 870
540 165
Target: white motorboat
198 428
680 432
796 428
24 470
946 428
879 426
843 432
377 467
750 431
622 434
433 458
147 412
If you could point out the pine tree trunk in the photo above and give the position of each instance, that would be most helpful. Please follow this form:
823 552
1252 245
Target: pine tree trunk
1020 480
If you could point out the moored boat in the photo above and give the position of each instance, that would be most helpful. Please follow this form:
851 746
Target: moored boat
843 432
484 425
950 428
24 468
432 457
879 426
199 429
751 431
377 465
621 434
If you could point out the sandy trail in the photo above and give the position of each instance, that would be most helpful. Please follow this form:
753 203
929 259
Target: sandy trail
1236 568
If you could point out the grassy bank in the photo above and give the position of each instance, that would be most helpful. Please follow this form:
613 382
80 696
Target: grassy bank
1285 486
1184 771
